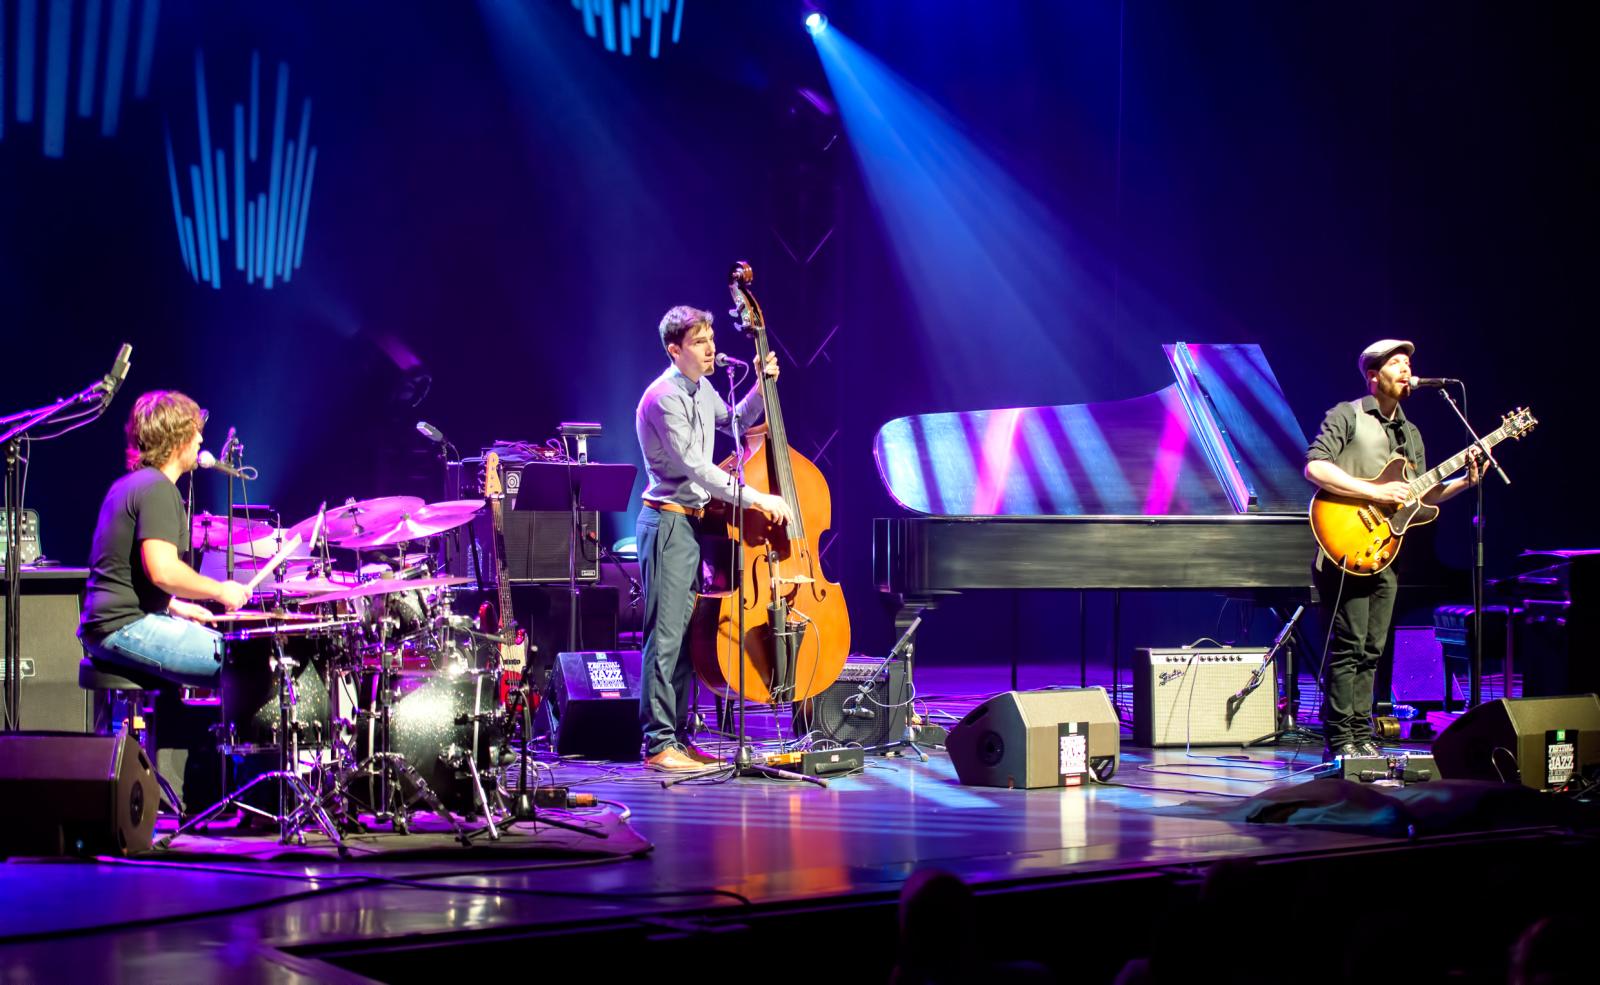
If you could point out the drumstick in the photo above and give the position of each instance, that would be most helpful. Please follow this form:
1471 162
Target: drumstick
289 547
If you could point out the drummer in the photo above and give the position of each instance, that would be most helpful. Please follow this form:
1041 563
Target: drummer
134 613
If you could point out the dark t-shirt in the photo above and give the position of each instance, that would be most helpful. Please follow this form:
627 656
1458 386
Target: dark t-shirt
140 506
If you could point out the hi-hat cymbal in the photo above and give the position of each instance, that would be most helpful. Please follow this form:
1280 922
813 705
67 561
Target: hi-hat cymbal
419 524
209 531
358 518
256 615
384 587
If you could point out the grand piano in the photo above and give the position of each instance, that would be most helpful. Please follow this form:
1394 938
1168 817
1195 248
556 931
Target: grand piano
1198 485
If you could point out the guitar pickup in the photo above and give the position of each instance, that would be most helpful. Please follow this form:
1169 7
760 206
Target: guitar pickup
1366 517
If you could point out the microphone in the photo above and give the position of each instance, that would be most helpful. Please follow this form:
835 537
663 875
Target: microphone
1431 382
724 359
430 432
207 460
112 381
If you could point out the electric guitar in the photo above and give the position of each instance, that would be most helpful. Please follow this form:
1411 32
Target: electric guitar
1363 537
498 621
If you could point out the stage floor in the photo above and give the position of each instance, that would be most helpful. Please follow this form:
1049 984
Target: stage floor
712 846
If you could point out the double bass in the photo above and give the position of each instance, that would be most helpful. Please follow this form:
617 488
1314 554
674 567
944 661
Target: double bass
796 625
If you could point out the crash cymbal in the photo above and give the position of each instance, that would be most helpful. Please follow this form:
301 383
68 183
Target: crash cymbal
358 518
209 531
420 524
384 587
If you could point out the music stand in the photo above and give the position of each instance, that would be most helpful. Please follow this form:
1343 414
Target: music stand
553 486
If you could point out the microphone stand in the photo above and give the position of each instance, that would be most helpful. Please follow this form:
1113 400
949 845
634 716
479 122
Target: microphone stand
16 428
744 760
1475 671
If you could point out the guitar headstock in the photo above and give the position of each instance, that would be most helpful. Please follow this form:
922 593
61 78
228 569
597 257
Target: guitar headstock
746 310
493 485
1518 423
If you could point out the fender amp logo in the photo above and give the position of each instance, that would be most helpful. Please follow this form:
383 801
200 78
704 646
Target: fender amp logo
1168 676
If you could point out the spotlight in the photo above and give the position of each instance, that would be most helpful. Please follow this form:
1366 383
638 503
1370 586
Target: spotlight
816 23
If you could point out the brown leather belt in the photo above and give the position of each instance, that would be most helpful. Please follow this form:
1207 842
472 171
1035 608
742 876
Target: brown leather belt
656 504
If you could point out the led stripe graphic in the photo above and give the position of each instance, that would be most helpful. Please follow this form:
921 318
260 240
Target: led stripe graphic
269 220
618 23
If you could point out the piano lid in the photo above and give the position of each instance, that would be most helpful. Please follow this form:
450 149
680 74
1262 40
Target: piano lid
1219 440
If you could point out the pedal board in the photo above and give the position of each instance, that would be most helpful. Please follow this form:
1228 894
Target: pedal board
830 761
1406 768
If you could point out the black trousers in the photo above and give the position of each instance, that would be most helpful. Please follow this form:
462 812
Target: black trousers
1361 608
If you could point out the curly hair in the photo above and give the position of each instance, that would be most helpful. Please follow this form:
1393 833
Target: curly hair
678 322
160 424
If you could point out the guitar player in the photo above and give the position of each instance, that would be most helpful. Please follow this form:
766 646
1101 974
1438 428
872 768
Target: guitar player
1358 438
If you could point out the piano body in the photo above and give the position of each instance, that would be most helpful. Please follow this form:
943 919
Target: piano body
1196 486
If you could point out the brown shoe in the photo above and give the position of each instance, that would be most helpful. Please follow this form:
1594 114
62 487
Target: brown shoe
698 754
673 758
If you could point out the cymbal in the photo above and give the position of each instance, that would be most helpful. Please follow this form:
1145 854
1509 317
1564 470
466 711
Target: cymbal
210 531
357 518
384 587
304 584
420 524
268 546
256 615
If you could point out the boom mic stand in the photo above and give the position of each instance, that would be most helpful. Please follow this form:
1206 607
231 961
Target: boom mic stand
70 413
1475 672
744 761
1287 728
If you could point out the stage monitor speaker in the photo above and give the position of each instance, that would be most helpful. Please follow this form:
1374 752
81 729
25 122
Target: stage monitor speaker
50 697
1181 697
1036 739
1538 742
595 695
866 705
65 794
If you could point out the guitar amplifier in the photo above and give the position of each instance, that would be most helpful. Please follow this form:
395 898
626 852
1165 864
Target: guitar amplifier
867 704
1181 697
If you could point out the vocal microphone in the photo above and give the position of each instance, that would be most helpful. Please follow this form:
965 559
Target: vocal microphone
430 432
112 381
1431 382
723 359
206 460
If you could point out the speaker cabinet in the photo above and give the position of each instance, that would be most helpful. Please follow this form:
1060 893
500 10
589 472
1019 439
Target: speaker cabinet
595 699
1181 697
537 544
49 696
1538 742
1036 739
866 705
63 794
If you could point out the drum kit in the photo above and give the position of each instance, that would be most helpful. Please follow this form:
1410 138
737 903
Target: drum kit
375 696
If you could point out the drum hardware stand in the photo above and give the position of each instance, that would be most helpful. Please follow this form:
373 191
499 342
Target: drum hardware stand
385 768
308 807
523 804
745 761
1287 728
905 648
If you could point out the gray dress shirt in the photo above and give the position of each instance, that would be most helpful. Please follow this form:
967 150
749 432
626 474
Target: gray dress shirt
675 423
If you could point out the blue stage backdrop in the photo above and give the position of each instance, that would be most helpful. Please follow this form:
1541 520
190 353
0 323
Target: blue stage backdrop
328 221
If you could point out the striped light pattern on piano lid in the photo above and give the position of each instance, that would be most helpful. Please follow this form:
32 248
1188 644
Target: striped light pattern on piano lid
1221 440
267 228
107 31
618 23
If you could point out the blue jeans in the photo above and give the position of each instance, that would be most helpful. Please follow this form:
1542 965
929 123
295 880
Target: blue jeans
669 564
176 649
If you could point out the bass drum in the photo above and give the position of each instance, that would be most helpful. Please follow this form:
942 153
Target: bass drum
432 726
